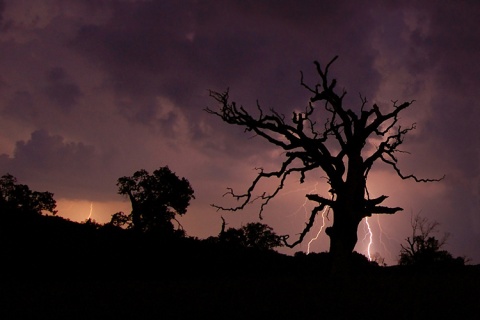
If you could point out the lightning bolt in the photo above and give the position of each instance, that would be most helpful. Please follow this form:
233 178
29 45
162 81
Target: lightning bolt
319 231
384 234
91 210
367 227
304 205
380 236
370 242
370 238
305 209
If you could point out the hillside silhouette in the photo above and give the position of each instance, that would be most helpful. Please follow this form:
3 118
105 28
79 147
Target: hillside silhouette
62 269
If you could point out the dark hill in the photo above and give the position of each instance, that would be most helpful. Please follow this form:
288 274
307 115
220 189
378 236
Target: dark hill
54 268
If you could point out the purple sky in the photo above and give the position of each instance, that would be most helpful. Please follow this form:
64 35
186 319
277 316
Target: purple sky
94 90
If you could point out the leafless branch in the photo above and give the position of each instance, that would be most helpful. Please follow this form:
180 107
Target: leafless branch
393 164
307 228
265 198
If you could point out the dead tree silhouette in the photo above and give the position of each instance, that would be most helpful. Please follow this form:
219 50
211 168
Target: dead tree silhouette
337 148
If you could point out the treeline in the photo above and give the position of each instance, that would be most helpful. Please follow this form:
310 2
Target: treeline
144 243
34 244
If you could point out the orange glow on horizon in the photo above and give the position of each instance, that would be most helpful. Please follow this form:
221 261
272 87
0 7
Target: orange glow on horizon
82 210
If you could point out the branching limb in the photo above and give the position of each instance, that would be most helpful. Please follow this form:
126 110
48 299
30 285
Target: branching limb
265 198
312 152
386 151
320 199
179 224
307 228
323 204
393 164
267 126
384 210
383 118
372 207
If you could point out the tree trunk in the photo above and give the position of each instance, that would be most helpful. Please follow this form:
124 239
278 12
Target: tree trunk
343 238
347 214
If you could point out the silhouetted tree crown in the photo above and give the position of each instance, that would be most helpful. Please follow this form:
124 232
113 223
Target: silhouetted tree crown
329 137
423 248
15 197
252 235
156 199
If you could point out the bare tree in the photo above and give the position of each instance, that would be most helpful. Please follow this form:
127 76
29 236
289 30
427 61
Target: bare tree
423 248
337 148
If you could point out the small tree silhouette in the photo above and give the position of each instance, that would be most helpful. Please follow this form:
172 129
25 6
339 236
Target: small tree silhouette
15 197
423 248
260 236
253 235
156 200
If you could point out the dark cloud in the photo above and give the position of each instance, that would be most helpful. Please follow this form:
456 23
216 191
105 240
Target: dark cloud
69 169
182 50
21 106
2 9
61 90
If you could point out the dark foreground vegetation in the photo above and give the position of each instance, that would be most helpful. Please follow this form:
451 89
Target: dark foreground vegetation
55 268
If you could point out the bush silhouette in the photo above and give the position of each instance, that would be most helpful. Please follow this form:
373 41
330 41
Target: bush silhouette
423 248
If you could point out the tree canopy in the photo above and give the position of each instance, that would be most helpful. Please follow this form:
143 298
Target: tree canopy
15 197
156 199
254 235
